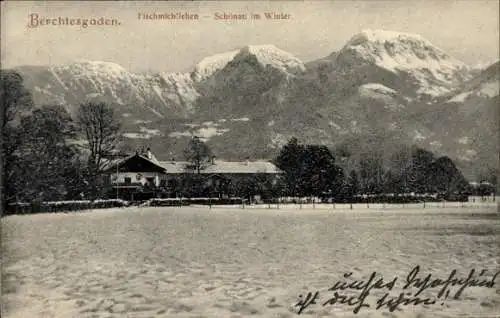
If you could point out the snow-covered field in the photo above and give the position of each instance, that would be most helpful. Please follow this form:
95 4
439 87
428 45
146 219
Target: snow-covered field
230 262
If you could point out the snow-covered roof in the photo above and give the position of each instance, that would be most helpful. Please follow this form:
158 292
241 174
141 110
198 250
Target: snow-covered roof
174 166
217 167
107 164
223 167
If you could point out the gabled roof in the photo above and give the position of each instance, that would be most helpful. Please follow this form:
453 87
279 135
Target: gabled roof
110 165
107 164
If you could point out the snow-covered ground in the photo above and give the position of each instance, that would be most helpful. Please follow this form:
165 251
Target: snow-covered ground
235 262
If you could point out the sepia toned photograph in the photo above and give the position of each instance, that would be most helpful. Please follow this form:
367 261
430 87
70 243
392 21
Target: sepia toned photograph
234 159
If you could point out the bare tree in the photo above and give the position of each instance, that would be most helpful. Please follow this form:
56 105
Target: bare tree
198 154
100 126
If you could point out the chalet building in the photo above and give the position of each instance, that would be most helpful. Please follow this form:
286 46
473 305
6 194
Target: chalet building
142 174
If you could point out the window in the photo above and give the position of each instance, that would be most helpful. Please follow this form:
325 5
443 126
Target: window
151 181
128 180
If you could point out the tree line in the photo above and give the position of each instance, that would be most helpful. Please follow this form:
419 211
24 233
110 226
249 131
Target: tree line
312 170
43 158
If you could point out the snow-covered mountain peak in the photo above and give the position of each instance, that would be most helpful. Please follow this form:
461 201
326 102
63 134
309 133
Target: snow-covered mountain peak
97 66
385 36
268 54
424 63
399 50
84 68
209 65
256 48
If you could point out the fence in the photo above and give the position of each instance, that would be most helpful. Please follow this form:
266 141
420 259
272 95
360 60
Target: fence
63 206
191 201
278 203
68 206
366 206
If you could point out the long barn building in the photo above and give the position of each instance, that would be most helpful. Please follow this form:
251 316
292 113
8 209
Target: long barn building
144 173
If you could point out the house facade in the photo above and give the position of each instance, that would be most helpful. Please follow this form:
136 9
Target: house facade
144 175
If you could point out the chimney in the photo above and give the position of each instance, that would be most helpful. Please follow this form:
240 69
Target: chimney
213 160
148 153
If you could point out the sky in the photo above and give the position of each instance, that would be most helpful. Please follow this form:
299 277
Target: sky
465 29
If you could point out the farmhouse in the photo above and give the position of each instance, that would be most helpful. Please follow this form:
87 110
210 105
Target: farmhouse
143 175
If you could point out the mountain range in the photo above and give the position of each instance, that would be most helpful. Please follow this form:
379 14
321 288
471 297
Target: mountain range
381 90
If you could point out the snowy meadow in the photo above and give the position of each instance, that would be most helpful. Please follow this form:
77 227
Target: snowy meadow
253 262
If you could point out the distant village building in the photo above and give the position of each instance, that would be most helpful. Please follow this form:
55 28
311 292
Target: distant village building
482 192
142 174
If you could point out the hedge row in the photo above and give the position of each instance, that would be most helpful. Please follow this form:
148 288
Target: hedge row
396 199
189 201
66 206
63 206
